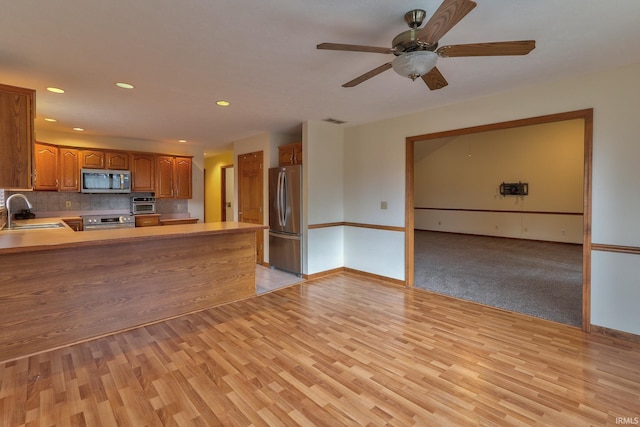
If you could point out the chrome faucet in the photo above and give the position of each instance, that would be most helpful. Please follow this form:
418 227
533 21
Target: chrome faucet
8 204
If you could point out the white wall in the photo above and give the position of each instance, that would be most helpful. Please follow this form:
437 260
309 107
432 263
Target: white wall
196 203
465 172
375 154
323 195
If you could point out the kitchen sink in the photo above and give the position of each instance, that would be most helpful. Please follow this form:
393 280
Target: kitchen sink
38 226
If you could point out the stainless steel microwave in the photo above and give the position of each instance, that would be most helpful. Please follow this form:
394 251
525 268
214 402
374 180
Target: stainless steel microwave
105 181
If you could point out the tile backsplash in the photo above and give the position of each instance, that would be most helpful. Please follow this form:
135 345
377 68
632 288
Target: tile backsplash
52 201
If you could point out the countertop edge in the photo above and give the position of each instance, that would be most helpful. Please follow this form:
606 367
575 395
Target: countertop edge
29 241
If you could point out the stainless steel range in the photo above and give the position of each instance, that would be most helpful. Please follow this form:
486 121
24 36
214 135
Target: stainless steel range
107 222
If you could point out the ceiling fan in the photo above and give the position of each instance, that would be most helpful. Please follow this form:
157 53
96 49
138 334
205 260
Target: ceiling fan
417 50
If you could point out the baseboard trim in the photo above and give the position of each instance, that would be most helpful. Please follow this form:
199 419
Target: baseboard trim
323 273
608 332
375 276
354 271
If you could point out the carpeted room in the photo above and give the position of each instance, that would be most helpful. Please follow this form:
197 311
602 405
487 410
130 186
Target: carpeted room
518 252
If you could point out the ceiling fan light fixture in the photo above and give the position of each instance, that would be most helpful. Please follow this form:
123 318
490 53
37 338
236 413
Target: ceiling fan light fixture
414 64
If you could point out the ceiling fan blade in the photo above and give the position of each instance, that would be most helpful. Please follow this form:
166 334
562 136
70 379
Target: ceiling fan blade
368 75
448 14
354 48
434 79
521 47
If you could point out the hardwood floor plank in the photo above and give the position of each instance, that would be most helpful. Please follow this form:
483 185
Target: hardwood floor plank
338 350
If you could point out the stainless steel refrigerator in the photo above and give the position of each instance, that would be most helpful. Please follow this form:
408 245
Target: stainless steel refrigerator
285 215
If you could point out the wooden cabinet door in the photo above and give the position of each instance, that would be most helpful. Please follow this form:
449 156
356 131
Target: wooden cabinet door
183 177
117 160
251 195
297 153
17 107
290 154
150 220
285 155
69 169
92 159
143 172
164 176
46 160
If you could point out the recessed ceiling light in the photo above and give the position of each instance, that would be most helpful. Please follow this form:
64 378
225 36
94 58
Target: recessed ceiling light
48 119
124 85
223 103
182 140
79 129
55 90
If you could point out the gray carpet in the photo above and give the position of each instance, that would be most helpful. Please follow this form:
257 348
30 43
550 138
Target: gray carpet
541 279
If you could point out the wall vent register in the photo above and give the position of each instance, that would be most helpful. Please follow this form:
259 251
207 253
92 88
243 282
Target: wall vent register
514 188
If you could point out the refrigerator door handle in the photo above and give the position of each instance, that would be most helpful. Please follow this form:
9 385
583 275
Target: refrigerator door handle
284 199
280 198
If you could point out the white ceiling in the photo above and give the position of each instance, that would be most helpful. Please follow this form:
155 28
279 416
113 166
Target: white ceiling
182 56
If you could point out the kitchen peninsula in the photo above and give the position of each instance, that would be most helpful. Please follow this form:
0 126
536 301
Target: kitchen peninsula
58 287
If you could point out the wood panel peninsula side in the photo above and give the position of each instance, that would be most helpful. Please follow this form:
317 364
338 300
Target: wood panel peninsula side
59 287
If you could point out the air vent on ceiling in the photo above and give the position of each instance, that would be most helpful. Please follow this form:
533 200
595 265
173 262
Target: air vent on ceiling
334 121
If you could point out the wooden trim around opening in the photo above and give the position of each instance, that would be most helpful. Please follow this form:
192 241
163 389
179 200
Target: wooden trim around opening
587 116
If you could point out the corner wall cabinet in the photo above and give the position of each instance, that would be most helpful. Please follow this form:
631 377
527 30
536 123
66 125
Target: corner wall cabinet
17 111
290 154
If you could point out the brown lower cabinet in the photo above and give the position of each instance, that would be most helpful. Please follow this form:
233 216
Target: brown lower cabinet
147 220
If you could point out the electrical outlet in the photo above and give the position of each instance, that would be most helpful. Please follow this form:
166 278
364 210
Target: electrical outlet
563 231
383 205
497 226
67 204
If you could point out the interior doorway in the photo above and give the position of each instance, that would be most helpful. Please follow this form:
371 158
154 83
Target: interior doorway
585 115
227 185
251 195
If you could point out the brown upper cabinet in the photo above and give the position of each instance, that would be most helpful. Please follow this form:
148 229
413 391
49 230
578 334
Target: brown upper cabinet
58 168
92 159
143 172
117 160
17 111
290 154
69 170
173 177
46 167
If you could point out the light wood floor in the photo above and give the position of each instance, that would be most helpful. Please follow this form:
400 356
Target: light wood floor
340 350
